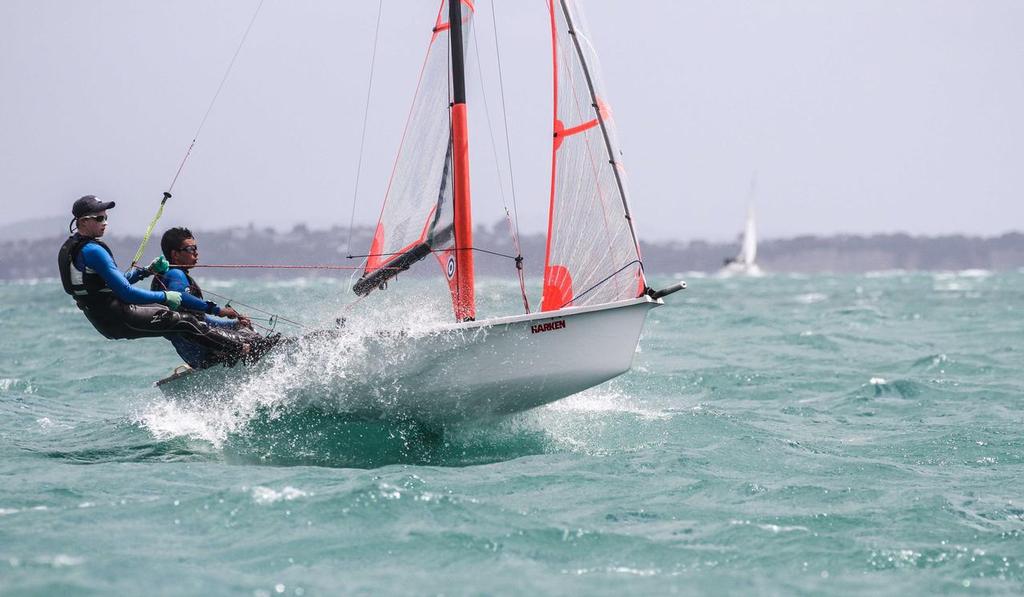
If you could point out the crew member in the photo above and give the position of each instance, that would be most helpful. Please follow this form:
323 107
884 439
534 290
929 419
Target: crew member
180 249
117 309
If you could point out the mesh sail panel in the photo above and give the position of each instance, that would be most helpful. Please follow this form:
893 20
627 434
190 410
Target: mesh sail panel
441 237
592 255
417 215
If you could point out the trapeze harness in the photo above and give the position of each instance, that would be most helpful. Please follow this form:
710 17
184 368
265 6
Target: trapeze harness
116 320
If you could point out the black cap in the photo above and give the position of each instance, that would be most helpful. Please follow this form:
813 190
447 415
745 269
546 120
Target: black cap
89 205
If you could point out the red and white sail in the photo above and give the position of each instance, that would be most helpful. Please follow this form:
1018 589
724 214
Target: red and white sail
428 192
592 254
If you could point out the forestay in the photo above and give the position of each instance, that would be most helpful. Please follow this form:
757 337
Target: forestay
592 253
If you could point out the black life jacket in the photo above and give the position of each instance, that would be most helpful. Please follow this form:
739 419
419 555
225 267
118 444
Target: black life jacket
86 286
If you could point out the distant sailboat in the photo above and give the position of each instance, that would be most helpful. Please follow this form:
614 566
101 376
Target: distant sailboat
744 264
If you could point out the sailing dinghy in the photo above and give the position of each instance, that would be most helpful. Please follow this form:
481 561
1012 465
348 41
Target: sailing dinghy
595 295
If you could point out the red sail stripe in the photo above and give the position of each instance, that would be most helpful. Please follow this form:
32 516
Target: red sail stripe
557 288
546 303
561 132
376 248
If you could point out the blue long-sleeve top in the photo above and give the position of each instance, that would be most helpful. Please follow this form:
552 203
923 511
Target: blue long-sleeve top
175 279
190 352
95 258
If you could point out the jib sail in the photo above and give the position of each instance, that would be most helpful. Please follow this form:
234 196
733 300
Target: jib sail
592 255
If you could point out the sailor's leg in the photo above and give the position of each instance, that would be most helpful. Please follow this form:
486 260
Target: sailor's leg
257 343
157 320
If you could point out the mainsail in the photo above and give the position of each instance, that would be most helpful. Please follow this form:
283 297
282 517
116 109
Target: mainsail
592 252
426 205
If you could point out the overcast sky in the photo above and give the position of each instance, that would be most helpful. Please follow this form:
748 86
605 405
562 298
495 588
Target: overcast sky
858 116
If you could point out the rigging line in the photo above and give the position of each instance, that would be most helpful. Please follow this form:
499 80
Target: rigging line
272 319
608 277
230 300
487 116
366 114
279 266
351 304
254 318
504 114
263 327
220 87
514 220
188 152
513 257
513 225
149 230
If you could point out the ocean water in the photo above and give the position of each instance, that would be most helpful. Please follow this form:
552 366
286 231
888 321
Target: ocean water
784 435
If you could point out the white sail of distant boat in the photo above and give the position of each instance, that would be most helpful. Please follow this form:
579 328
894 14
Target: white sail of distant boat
595 295
745 263
748 253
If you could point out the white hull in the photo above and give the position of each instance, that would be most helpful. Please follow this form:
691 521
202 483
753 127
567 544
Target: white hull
467 371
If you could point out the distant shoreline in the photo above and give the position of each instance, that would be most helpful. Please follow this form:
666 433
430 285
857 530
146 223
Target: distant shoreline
36 258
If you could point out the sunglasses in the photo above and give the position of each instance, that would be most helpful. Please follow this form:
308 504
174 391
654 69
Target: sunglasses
194 249
99 219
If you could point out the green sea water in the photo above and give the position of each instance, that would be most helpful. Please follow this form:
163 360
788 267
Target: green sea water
785 435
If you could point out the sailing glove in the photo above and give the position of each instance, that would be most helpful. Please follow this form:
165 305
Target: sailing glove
159 265
172 299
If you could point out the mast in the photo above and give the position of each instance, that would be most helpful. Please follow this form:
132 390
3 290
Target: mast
465 300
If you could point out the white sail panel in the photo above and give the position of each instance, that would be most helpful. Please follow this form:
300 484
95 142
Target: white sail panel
441 237
592 253
417 214
748 253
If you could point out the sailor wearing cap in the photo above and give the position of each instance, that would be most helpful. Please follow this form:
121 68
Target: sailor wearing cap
106 295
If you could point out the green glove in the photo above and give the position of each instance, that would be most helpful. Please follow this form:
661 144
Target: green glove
172 299
159 265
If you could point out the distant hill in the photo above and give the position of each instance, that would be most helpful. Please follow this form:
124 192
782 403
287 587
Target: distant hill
850 254
34 228
23 256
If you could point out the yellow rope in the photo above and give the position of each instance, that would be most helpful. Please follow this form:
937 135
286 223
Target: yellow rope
149 231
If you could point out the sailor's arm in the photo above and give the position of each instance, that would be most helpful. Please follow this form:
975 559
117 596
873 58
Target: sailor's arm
135 274
96 258
175 280
221 322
